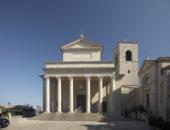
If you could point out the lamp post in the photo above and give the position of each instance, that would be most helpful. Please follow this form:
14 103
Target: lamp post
9 104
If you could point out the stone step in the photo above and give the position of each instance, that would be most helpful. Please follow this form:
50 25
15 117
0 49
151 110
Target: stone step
78 117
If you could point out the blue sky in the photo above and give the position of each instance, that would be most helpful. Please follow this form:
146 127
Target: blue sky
32 31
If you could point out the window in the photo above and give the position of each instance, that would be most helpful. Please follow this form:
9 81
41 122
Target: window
128 71
128 55
147 101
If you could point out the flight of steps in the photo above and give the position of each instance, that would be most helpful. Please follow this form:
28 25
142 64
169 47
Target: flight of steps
78 117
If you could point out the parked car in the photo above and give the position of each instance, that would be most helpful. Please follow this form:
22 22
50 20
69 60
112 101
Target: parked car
4 122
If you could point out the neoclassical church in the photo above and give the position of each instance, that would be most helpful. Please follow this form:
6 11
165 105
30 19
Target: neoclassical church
83 82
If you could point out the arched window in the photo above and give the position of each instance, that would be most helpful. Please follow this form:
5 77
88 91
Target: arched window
128 55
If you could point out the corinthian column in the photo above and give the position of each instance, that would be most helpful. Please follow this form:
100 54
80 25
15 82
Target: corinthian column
88 95
59 95
100 94
71 95
47 95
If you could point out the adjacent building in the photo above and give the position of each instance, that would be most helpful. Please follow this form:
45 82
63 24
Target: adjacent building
155 86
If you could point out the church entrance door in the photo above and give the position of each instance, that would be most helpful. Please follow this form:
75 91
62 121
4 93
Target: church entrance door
81 103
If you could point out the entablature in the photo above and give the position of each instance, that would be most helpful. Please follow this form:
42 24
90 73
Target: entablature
80 71
96 64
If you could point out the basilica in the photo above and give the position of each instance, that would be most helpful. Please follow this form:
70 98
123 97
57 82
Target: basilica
83 82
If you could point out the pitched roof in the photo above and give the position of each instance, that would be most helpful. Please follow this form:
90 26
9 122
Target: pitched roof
81 41
145 64
152 61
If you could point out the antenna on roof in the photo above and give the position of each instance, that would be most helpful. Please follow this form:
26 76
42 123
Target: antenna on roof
81 35
147 56
125 38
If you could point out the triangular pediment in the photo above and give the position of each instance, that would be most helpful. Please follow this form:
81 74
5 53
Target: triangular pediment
146 64
81 43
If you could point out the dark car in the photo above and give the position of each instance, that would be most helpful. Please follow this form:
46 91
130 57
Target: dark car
166 125
3 122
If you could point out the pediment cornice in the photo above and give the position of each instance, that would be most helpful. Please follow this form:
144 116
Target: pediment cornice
82 43
82 49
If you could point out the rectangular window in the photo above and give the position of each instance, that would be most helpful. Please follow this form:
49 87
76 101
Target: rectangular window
147 101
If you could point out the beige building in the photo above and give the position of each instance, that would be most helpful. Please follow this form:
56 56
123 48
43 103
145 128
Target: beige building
83 82
2 108
155 86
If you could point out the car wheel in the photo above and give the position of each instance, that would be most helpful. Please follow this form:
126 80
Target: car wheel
5 123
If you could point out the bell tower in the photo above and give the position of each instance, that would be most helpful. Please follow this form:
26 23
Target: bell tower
126 63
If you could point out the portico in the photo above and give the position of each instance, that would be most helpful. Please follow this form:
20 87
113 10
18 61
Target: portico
94 88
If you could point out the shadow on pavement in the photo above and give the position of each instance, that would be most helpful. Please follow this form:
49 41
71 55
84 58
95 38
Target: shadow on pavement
105 126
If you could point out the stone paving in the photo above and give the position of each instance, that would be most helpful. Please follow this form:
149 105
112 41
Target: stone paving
29 124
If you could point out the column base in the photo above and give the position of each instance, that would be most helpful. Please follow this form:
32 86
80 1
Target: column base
47 112
60 112
100 112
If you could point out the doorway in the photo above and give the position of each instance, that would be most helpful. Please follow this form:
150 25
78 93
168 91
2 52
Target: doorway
104 106
81 103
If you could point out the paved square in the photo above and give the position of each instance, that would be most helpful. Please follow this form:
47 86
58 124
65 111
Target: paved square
28 124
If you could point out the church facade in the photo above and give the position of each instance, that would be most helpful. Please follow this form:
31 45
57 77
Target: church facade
84 82
155 86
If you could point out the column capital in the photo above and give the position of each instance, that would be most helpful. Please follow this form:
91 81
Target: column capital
113 77
70 77
88 77
100 77
46 77
58 77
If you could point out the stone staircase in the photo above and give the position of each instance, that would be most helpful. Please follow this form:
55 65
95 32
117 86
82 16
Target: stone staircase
78 117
